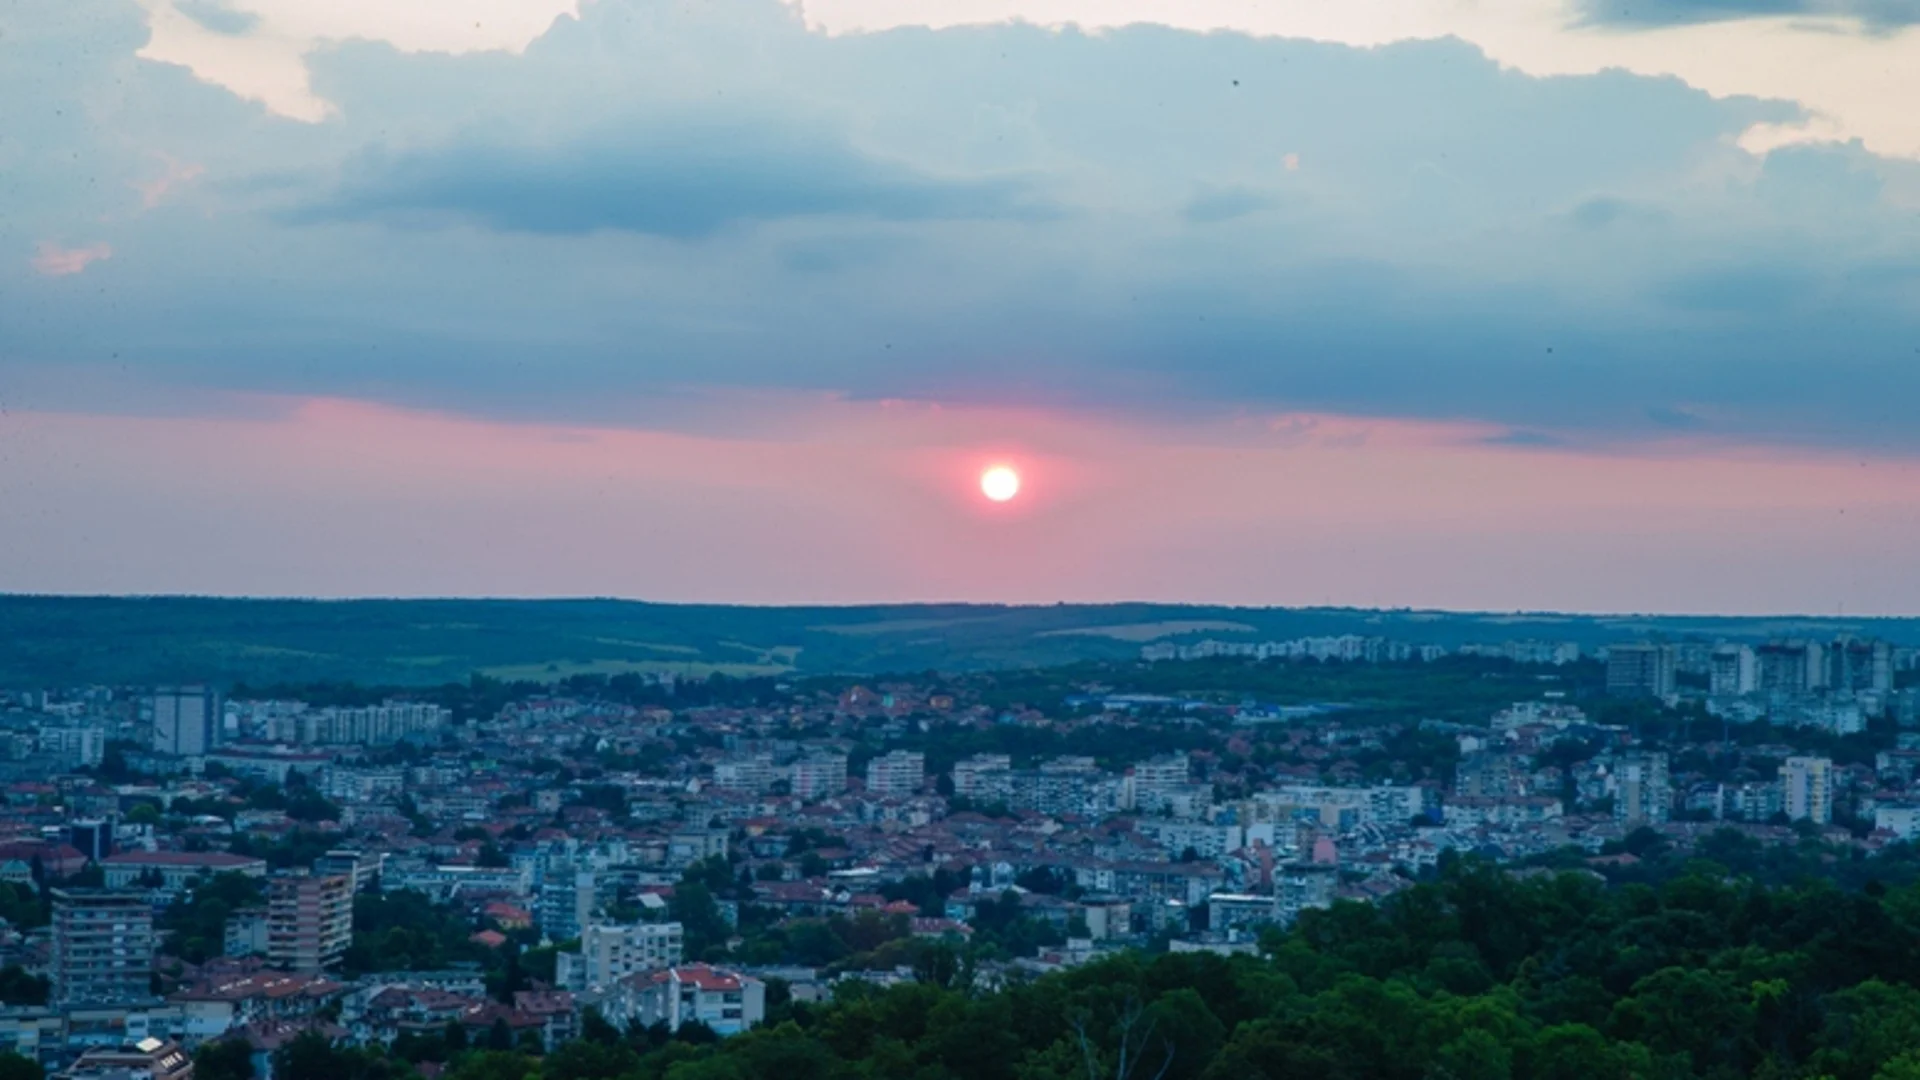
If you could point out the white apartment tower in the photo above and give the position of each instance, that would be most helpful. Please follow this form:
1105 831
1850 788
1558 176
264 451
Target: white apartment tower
1806 789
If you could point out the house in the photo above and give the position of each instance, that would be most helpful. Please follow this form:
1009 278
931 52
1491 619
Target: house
726 1001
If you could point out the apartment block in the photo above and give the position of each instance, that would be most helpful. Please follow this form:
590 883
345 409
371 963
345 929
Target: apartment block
309 920
102 947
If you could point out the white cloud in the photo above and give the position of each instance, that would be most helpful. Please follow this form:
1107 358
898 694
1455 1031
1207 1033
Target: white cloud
1857 85
52 260
266 59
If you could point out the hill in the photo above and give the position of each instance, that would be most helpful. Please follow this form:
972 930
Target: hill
59 641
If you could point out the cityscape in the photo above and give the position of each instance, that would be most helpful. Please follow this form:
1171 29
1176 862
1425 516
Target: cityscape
959 540
507 864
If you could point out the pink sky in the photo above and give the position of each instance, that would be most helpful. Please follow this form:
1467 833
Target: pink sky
820 500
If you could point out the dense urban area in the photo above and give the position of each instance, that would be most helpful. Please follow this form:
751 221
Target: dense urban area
1323 857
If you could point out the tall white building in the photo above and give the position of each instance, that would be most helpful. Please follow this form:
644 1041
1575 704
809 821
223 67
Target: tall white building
1643 793
1733 670
899 772
610 953
1155 782
982 776
1806 789
186 720
817 776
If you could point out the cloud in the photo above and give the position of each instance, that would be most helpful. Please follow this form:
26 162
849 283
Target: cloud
53 260
1226 204
173 175
686 181
218 16
1876 15
1104 225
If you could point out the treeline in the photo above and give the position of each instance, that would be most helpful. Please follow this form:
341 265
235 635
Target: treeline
1477 974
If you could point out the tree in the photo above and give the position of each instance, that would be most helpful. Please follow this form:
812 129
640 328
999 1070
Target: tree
227 1059
17 1067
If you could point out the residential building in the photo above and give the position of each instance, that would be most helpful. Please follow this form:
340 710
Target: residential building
147 1059
982 777
609 953
1733 670
568 896
817 776
897 773
1856 666
752 774
726 1001
74 747
1791 667
102 947
1643 794
1155 782
309 920
1642 670
1806 789
186 720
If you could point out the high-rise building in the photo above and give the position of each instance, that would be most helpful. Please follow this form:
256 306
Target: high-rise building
186 720
1733 670
1856 666
1791 667
1643 670
1643 793
309 920
817 776
982 776
92 838
1806 789
751 774
610 953
567 899
1154 782
74 746
102 947
899 772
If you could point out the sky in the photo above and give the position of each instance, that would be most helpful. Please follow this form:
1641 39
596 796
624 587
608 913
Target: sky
1596 305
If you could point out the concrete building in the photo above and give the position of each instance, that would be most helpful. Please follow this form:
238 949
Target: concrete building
309 920
1155 782
752 774
1643 793
1732 671
568 896
611 953
1856 666
726 1001
897 773
1643 670
102 947
1806 789
1791 667
817 776
147 1059
186 720
982 777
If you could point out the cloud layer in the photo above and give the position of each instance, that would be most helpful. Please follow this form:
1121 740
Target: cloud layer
577 223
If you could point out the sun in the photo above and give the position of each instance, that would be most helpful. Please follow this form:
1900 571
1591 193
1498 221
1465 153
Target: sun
1000 483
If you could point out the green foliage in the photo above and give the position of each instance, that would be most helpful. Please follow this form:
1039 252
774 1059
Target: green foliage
18 987
405 931
17 1067
196 922
228 1059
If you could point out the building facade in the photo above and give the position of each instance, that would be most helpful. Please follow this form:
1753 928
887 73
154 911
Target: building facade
309 920
102 947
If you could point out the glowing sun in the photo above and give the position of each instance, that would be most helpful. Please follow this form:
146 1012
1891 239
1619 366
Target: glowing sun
1000 483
